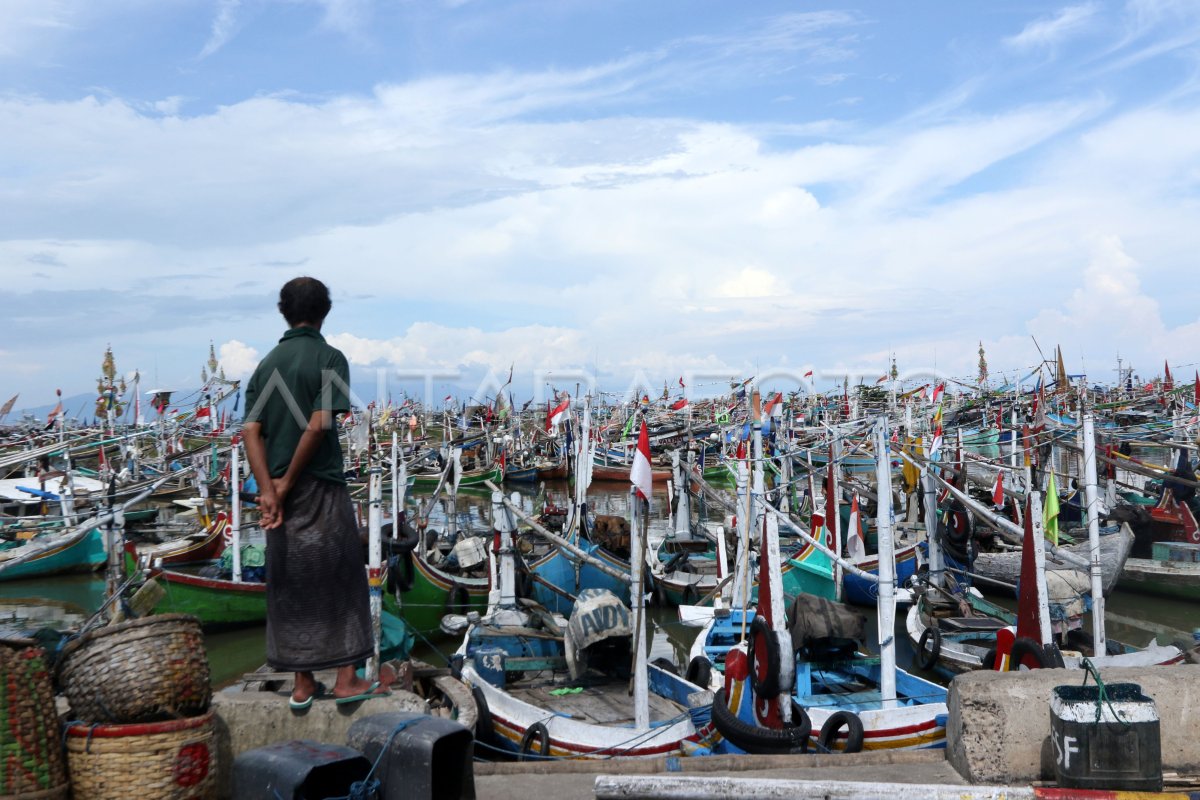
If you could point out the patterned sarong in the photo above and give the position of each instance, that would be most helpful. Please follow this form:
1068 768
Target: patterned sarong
318 612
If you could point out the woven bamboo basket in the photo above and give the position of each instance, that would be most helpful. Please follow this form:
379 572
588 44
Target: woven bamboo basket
172 760
31 759
148 669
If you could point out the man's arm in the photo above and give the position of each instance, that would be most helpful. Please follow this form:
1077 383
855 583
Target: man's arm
269 504
310 442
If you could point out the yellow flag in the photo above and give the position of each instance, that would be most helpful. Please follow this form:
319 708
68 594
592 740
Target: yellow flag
1050 512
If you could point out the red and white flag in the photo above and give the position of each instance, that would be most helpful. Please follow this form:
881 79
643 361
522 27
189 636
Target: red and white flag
557 413
935 446
203 411
855 546
774 401
998 491
808 374
640 474
938 391
679 404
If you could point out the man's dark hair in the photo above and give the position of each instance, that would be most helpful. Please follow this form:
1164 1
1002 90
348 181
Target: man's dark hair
304 300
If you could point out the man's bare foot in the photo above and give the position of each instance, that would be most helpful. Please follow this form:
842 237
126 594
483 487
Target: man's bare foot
350 685
304 688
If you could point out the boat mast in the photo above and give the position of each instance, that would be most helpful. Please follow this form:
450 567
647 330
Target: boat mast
235 510
1093 522
887 567
375 558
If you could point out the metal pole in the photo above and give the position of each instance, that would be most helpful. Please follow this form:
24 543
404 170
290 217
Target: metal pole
235 511
375 561
887 568
1093 521
641 696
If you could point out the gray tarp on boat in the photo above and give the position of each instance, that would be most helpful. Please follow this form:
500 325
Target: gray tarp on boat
812 618
598 616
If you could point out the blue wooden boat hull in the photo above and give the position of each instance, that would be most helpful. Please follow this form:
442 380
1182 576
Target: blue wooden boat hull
84 555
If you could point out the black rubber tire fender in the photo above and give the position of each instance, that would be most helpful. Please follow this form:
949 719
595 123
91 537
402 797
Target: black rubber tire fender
401 573
790 740
989 659
538 730
1054 659
1025 648
699 671
926 659
666 665
854 732
690 595
766 686
960 525
458 600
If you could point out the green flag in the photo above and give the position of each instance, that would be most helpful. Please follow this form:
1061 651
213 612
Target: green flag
1050 512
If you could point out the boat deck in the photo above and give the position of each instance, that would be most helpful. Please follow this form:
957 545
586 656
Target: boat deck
604 703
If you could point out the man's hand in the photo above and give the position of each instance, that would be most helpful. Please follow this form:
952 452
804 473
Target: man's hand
270 510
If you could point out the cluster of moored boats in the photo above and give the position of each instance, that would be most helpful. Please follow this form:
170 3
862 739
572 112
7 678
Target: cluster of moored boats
992 523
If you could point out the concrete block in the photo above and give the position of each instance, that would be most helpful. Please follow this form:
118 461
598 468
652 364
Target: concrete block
999 726
246 720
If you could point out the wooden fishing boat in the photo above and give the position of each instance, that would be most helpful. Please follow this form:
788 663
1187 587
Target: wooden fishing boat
1002 569
1173 571
203 546
216 602
553 687
77 549
421 593
470 478
619 473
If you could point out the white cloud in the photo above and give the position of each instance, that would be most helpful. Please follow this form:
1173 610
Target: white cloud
427 345
1050 31
237 359
224 25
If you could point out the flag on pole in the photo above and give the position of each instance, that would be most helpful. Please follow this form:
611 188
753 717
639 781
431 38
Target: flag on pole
682 385
772 403
100 465
640 474
881 379
1050 512
203 411
855 546
998 491
7 407
1168 381
53 415
556 414
679 404
808 374
1196 386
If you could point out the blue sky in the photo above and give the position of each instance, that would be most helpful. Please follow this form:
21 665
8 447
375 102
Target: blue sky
631 188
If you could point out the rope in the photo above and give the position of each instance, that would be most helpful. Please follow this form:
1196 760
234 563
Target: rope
368 787
1102 697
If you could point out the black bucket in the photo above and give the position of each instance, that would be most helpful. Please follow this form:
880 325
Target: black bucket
297 770
426 758
1109 742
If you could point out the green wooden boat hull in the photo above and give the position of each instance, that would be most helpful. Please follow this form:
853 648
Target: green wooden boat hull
428 600
472 479
215 602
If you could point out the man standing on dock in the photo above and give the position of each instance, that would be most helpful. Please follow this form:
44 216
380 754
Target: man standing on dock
318 615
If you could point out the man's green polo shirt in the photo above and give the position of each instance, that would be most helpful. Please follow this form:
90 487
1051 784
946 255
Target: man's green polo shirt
302 374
